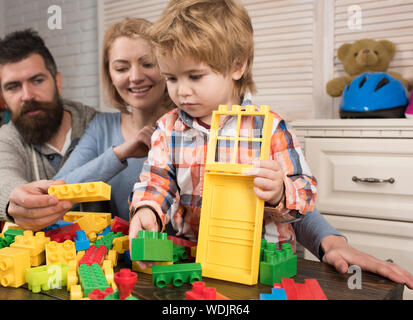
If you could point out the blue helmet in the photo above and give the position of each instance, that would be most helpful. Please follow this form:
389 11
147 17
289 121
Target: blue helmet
374 95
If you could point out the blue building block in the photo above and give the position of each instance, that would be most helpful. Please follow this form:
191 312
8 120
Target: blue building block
105 231
82 242
58 224
277 294
126 258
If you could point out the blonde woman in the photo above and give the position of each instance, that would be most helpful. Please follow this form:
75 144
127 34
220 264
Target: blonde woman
115 145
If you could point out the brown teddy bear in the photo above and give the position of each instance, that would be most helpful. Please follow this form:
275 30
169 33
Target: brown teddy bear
362 56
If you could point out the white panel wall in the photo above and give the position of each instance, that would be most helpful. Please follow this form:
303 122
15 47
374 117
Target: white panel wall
75 46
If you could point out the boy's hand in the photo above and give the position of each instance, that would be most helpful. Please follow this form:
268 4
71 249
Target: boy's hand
269 183
144 219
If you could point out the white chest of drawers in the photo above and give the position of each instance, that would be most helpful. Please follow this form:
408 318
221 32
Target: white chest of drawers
364 169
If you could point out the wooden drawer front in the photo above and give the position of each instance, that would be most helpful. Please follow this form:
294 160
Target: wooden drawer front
335 162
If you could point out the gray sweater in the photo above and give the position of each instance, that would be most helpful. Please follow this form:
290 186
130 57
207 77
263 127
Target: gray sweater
16 156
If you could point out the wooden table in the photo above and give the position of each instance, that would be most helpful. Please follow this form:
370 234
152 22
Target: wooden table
334 285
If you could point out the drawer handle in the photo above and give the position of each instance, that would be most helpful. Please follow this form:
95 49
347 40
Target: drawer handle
373 180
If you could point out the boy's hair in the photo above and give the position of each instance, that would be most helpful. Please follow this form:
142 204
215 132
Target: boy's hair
19 45
133 28
216 32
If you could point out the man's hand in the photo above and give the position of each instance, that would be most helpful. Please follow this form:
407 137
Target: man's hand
136 147
144 219
339 254
268 181
33 208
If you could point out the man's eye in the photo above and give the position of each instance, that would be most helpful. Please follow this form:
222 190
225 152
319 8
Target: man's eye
38 81
11 88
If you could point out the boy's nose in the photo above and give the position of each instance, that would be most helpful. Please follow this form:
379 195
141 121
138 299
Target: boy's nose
184 90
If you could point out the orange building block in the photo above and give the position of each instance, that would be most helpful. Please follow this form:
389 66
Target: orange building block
82 192
60 252
13 265
34 243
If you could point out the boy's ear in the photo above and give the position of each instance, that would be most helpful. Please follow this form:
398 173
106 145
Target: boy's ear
239 69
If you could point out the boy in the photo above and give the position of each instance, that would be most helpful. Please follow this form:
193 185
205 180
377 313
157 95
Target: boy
205 50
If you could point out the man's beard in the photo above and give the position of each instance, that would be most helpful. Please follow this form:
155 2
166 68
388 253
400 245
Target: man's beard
40 128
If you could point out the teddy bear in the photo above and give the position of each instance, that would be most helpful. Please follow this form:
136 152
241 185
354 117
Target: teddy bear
366 55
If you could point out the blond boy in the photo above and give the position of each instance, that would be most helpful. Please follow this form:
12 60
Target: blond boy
205 50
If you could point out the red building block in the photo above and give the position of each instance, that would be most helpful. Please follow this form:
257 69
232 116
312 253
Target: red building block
64 233
119 225
125 280
98 294
94 255
200 292
309 290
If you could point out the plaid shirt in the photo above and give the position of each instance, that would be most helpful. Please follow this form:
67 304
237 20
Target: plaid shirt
172 177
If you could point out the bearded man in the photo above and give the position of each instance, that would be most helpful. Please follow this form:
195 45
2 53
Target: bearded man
43 130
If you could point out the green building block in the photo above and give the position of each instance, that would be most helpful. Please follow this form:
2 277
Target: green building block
179 253
177 274
107 239
92 277
47 277
277 264
8 237
151 246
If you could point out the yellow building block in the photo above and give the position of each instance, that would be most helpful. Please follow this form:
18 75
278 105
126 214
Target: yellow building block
60 252
229 237
72 276
82 192
76 292
13 265
92 225
135 266
121 244
72 216
193 251
34 243
108 271
113 257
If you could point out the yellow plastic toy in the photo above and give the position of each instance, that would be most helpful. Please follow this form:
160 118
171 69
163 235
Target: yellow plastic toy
60 252
82 192
230 231
34 243
13 265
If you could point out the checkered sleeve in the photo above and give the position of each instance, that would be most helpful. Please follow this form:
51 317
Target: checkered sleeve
157 187
300 184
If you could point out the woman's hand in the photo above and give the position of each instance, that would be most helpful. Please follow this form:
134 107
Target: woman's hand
137 146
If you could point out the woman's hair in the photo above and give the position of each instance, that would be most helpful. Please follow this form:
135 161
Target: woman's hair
216 32
133 28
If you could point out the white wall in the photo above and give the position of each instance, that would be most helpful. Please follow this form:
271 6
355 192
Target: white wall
2 18
74 46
